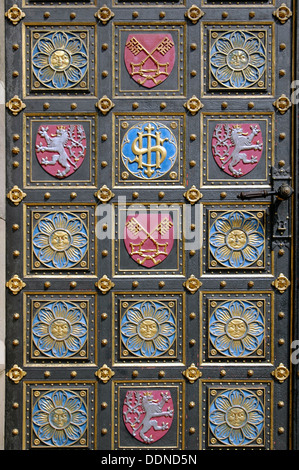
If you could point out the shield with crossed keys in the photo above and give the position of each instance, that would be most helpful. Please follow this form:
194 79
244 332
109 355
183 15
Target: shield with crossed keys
149 58
148 238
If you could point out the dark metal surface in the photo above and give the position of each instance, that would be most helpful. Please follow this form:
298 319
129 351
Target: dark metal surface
198 107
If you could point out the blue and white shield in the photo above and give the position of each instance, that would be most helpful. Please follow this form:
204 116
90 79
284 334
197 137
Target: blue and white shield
149 150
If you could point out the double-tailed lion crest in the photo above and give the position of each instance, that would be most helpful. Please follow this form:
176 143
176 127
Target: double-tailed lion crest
148 414
60 150
237 148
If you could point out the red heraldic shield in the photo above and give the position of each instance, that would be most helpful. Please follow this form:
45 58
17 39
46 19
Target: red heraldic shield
237 148
148 414
149 58
149 238
60 150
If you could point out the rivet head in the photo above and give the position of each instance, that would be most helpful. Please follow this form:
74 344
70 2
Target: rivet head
222 283
73 284
280 430
104 431
104 342
47 284
192 430
135 373
161 373
73 373
15 432
222 373
104 405
47 374
135 283
191 404
250 284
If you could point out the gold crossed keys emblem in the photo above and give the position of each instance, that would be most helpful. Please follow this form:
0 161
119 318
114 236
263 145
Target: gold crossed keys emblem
149 246
143 54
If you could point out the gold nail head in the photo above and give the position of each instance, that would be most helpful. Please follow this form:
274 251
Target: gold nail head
15 14
15 374
15 284
16 195
104 284
104 14
194 14
104 373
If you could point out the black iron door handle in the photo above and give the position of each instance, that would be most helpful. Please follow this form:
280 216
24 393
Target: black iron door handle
282 193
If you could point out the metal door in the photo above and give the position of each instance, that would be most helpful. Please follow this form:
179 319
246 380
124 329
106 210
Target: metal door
149 224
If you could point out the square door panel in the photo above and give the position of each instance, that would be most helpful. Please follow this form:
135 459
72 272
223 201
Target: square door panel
148 240
60 239
59 406
238 59
148 150
237 148
60 328
236 239
237 414
135 430
236 327
148 328
149 59
60 150
60 59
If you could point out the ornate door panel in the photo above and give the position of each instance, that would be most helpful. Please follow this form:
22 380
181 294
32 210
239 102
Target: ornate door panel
149 224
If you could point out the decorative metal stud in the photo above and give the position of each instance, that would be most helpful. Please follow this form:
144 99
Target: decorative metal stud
192 373
104 14
16 195
15 374
15 105
104 194
281 373
15 14
104 284
15 284
193 105
194 14
193 195
283 13
192 284
104 373
282 104
105 104
281 283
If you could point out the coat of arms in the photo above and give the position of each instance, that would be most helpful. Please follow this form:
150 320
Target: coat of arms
60 150
148 414
149 238
149 58
237 148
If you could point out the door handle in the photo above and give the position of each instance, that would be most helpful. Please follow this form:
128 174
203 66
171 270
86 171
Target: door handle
283 193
